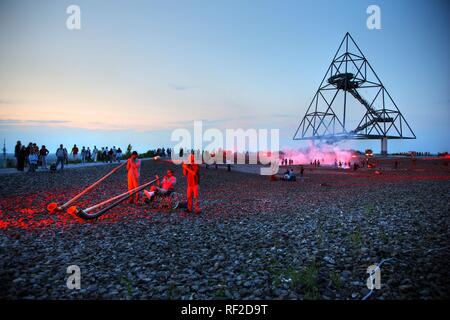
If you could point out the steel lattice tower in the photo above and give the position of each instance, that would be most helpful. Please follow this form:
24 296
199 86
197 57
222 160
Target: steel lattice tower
340 94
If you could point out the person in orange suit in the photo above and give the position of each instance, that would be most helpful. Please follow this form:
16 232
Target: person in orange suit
133 168
167 185
191 172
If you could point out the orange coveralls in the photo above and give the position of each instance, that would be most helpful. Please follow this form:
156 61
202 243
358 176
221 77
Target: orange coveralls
133 168
191 173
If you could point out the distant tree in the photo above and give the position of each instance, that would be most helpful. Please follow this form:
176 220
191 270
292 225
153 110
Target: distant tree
148 154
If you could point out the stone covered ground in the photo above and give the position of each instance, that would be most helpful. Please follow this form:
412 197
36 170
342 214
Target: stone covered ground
255 239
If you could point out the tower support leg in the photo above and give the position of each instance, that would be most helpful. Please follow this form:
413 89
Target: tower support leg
384 146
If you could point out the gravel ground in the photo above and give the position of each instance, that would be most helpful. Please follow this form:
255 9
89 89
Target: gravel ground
255 239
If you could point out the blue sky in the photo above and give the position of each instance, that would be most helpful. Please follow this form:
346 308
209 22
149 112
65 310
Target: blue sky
139 69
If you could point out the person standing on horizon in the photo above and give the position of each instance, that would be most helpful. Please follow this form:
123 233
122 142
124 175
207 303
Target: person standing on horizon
28 151
88 154
133 168
119 155
83 155
33 160
60 156
43 153
66 156
17 152
191 172
94 153
110 155
114 154
75 152
21 158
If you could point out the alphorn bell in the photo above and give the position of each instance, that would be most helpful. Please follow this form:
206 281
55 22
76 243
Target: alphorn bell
53 207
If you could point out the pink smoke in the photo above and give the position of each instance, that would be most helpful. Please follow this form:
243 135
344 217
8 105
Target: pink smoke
326 154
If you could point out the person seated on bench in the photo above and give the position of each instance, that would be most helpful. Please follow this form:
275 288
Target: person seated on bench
162 187
289 175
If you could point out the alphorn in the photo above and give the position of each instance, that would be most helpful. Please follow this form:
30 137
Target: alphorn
86 213
52 207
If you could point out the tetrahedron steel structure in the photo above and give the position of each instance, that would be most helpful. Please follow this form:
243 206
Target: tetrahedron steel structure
351 87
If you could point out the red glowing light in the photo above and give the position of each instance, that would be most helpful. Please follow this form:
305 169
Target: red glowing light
27 211
72 210
4 224
52 207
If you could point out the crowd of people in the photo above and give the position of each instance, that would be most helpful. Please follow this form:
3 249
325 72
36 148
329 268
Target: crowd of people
362 163
413 154
286 161
161 152
105 154
33 156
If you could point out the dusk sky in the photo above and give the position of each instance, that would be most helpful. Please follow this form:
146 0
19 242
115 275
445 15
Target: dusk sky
139 69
